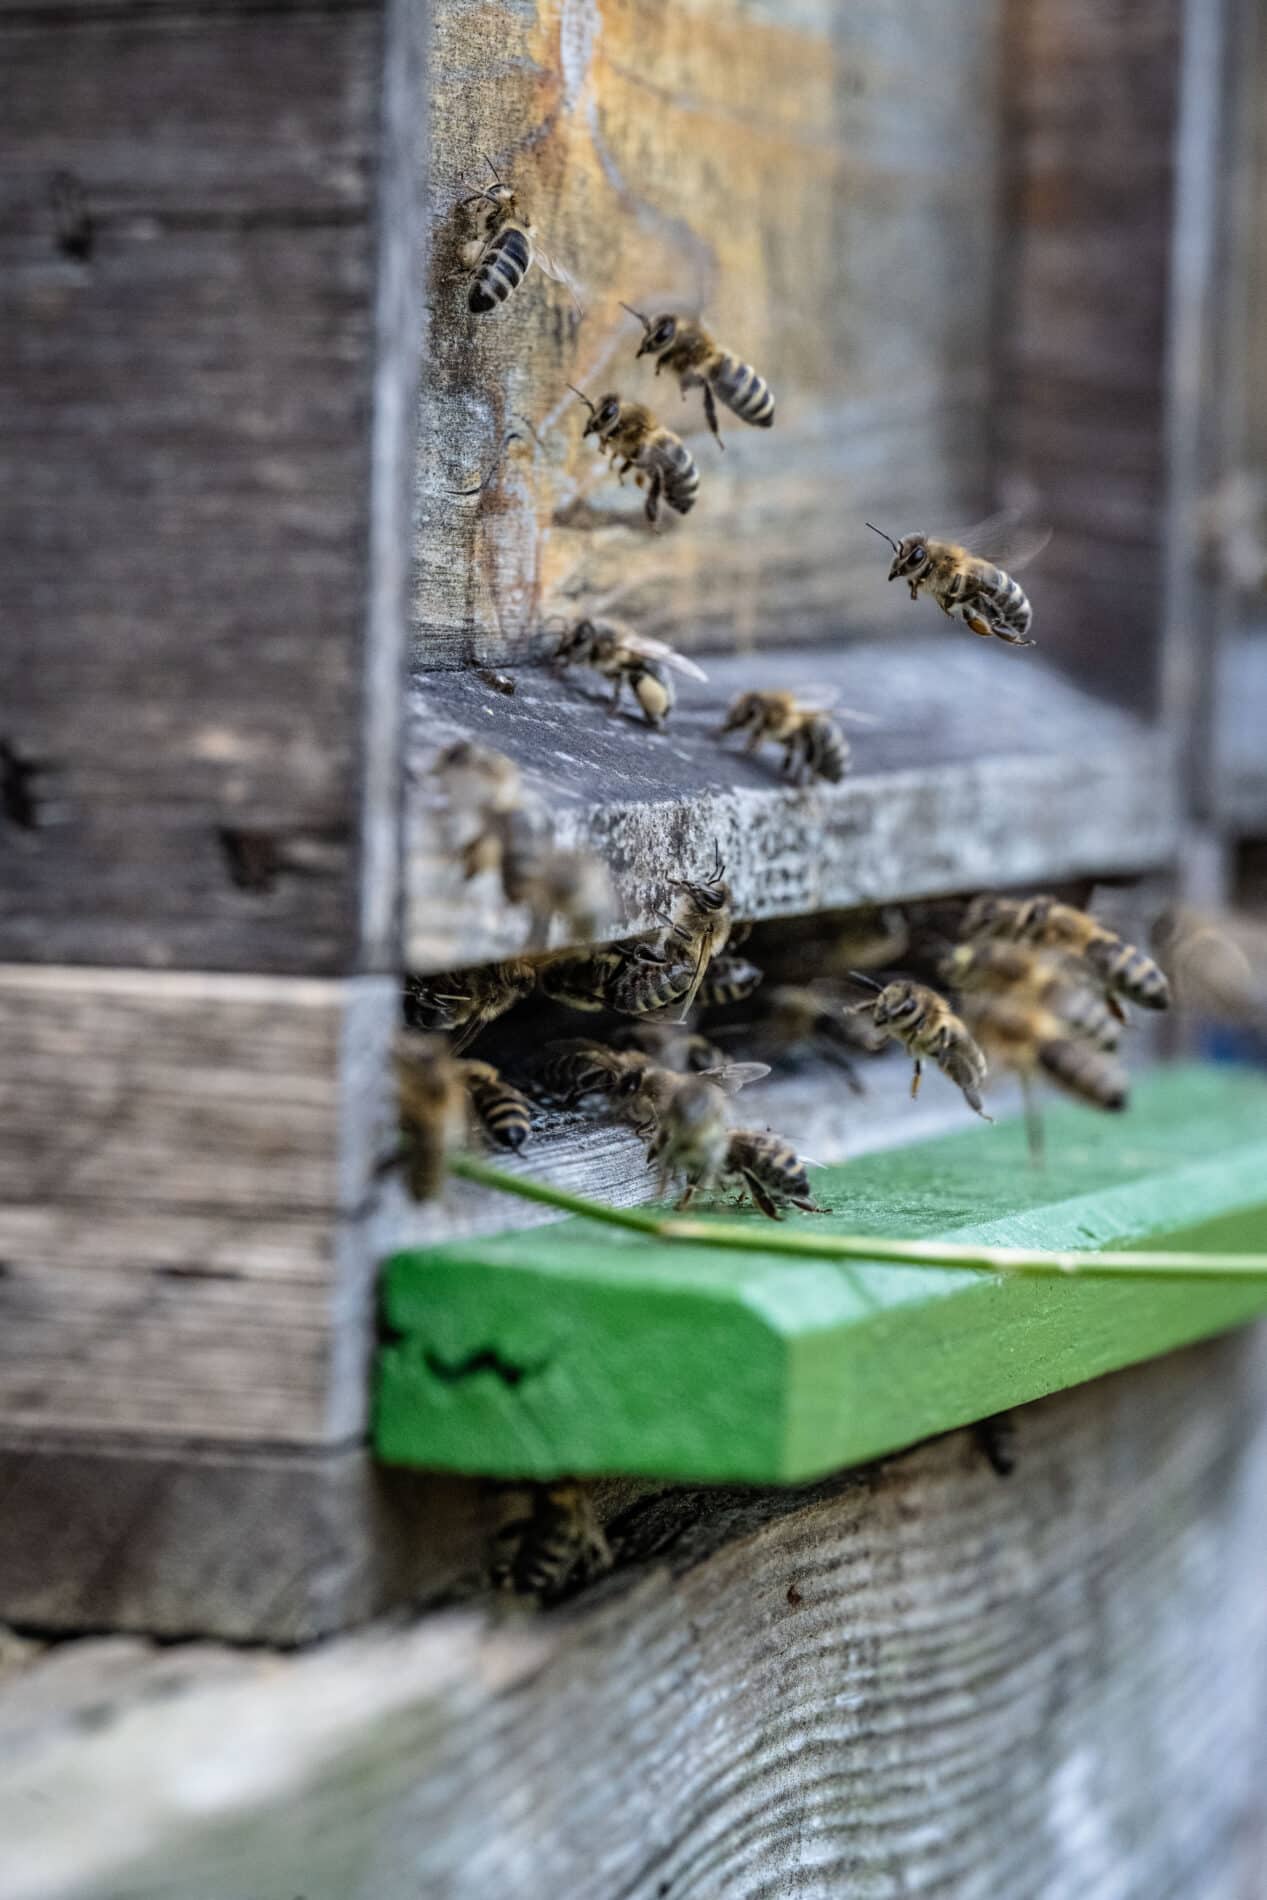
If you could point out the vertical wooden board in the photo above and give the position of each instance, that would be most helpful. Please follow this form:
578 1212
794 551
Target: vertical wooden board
820 183
1083 303
187 292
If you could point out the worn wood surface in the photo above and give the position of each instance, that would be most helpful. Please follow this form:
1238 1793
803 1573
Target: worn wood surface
818 181
185 1187
245 1543
571 1349
983 768
198 364
921 1678
1080 404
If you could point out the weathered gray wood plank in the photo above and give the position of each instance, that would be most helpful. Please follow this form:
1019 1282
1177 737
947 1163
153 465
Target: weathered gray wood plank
187 405
983 768
919 1679
801 179
184 1191
1083 303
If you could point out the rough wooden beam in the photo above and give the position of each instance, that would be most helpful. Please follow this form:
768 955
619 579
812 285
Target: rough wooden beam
793 174
184 1190
532 1354
919 1676
983 768
203 400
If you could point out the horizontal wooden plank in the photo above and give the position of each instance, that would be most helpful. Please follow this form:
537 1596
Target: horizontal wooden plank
795 177
187 286
984 767
919 1678
529 1354
184 1200
249 1544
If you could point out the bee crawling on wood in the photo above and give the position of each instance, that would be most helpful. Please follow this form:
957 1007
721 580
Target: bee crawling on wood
687 351
503 248
1124 971
555 1550
928 1029
503 1112
629 659
700 927
728 980
813 744
978 591
632 436
465 1000
684 1118
631 978
770 1170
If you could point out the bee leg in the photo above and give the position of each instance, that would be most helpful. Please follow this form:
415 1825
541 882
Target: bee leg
614 702
1013 639
685 1198
653 498
769 1207
710 410
977 622
916 1078
1033 1124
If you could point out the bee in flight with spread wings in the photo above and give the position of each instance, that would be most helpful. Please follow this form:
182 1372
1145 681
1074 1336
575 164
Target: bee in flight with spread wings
503 247
975 588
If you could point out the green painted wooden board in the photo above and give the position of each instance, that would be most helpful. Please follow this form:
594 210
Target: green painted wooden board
577 1349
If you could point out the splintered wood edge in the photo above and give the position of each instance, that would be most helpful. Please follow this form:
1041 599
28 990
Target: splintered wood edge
570 1350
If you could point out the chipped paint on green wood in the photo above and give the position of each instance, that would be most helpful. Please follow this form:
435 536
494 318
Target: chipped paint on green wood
574 1348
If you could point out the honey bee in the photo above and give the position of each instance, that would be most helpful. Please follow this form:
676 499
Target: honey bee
979 591
511 834
671 1045
1047 925
504 1114
575 1067
630 978
560 1547
1028 1039
688 352
994 967
631 435
700 927
684 1119
434 1110
928 1029
504 249
465 1000
770 1170
628 659
728 980
813 744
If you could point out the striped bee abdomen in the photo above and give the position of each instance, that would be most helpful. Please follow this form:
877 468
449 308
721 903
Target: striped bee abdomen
1085 1072
502 269
1129 972
1008 601
744 393
504 1113
680 478
823 749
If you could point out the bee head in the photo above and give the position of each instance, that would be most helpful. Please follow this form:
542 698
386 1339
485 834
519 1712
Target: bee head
910 558
603 416
982 917
661 334
743 709
897 1003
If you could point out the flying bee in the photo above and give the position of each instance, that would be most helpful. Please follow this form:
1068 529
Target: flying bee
688 352
979 591
928 1029
434 1110
465 1000
631 435
813 744
511 834
994 967
701 923
628 659
1024 1037
573 885
504 1114
671 1045
1047 925
770 1170
503 249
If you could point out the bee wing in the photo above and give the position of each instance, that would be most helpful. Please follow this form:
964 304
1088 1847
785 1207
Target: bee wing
733 1076
650 649
827 699
555 271
1003 538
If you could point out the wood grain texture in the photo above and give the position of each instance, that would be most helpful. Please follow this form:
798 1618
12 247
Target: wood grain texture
827 201
569 1349
917 1679
243 1543
187 404
1080 401
983 768
184 1195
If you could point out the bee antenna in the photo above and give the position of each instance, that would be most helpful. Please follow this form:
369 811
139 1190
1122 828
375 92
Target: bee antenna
492 168
530 428
867 982
644 321
883 536
511 435
584 398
